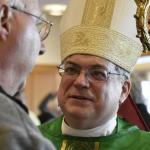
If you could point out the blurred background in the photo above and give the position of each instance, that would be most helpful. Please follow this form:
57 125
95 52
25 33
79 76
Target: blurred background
43 82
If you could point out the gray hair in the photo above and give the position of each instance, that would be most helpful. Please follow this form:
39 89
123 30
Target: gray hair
126 74
27 5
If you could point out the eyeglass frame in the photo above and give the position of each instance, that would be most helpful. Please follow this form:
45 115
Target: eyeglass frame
50 24
61 67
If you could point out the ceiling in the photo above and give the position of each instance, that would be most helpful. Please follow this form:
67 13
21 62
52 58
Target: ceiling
43 2
53 7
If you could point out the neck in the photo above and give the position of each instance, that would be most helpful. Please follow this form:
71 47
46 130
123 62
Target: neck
9 81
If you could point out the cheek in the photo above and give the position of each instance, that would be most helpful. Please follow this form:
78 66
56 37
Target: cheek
112 90
100 92
61 92
112 97
107 102
59 95
34 39
107 95
29 38
33 44
64 88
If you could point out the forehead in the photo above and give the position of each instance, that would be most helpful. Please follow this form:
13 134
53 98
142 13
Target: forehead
89 60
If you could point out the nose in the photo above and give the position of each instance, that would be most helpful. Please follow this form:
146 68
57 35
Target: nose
82 80
43 49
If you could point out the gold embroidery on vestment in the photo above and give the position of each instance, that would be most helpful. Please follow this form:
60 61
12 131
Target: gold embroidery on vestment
98 13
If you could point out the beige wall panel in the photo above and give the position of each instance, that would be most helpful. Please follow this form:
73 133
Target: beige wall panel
43 80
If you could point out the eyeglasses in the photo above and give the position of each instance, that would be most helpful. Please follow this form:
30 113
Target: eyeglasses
44 26
94 73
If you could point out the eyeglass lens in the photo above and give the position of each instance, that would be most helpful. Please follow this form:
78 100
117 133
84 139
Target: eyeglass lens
95 73
44 29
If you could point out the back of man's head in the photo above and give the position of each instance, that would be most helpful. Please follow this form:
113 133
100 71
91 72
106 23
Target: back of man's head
20 41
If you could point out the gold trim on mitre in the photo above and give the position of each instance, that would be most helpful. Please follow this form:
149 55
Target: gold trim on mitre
101 42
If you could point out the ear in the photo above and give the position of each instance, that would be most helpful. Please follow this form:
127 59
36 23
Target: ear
125 91
4 22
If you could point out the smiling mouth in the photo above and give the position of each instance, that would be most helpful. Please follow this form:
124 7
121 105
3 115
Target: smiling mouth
80 97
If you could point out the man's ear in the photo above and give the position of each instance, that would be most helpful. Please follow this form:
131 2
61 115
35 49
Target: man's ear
126 87
4 22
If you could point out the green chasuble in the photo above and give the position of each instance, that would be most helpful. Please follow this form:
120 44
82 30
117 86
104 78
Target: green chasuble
125 137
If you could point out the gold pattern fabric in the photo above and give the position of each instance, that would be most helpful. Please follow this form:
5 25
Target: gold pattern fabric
98 13
101 42
78 145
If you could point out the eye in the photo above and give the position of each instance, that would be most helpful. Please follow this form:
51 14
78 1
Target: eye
99 74
70 70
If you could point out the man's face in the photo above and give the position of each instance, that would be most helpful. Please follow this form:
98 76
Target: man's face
26 41
20 41
85 100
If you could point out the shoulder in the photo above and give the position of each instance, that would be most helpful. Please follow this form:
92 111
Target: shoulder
51 126
133 131
16 128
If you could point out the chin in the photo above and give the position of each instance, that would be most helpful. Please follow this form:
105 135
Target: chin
78 113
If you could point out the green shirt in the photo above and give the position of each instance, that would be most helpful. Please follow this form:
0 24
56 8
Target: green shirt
125 137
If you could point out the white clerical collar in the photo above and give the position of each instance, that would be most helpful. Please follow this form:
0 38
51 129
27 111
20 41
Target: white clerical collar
102 130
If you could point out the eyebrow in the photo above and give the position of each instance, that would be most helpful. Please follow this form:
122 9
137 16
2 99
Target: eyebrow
71 63
91 66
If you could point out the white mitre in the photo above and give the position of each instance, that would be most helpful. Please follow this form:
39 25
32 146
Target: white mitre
105 28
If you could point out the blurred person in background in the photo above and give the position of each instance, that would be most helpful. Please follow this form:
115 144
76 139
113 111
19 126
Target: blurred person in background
49 108
138 97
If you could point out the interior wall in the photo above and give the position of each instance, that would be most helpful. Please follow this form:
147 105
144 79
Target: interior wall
44 79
